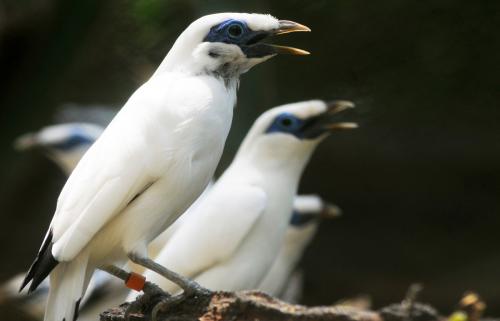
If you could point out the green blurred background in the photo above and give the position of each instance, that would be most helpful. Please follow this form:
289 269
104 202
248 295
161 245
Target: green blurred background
419 182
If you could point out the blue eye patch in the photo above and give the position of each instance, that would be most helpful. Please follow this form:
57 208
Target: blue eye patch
286 123
310 128
230 32
76 138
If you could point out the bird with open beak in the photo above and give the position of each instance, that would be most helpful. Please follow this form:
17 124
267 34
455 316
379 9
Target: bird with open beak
232 240
153 160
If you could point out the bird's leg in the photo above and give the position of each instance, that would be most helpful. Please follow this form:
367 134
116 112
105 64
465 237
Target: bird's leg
189 287
134 281
152 293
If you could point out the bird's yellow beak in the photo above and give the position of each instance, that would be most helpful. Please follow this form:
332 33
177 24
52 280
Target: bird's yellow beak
287 26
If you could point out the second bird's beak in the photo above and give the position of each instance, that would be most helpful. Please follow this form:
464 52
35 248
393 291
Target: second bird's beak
335 107
325 122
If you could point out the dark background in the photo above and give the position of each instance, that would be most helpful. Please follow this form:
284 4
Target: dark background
419 182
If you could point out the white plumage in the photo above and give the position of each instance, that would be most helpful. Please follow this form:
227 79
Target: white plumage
151 162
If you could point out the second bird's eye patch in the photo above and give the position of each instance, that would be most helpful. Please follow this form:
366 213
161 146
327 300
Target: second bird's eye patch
286 123
76 138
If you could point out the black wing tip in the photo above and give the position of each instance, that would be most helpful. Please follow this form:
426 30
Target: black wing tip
44 263
26 280
77 308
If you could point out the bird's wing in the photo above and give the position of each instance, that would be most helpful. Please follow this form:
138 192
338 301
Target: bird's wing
105 181
224 219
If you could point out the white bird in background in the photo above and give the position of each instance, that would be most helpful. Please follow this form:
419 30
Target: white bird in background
234 239
153 160
64 144
284 280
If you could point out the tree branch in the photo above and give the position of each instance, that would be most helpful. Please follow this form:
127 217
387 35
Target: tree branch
243 306
254 305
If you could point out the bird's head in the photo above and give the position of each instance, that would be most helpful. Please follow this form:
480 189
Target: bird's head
228 44
289 134
65 144
310 209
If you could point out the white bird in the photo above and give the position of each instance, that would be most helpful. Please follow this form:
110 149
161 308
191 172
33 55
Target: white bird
64 144
153 160
283 280
233 240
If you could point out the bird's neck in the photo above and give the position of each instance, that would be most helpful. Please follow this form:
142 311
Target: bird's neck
226 73
273 158
194 60
287 171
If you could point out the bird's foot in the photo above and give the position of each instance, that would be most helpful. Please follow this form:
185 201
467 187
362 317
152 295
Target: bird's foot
190 288
168 303
146 302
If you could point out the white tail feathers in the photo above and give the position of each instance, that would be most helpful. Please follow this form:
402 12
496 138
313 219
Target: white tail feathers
68 282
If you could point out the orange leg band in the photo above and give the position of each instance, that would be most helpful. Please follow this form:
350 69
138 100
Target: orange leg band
135 281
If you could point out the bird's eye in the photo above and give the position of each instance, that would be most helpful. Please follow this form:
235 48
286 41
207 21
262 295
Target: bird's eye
286 122
235 30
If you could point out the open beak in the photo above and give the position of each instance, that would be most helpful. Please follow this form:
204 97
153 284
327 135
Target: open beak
258 49
335 107
25 142
325 122
330 211
287 26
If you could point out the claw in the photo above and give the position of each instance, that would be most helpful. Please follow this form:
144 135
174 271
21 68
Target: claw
165 304
152 296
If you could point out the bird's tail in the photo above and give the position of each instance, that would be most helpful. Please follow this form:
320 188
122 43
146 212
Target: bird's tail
68 282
